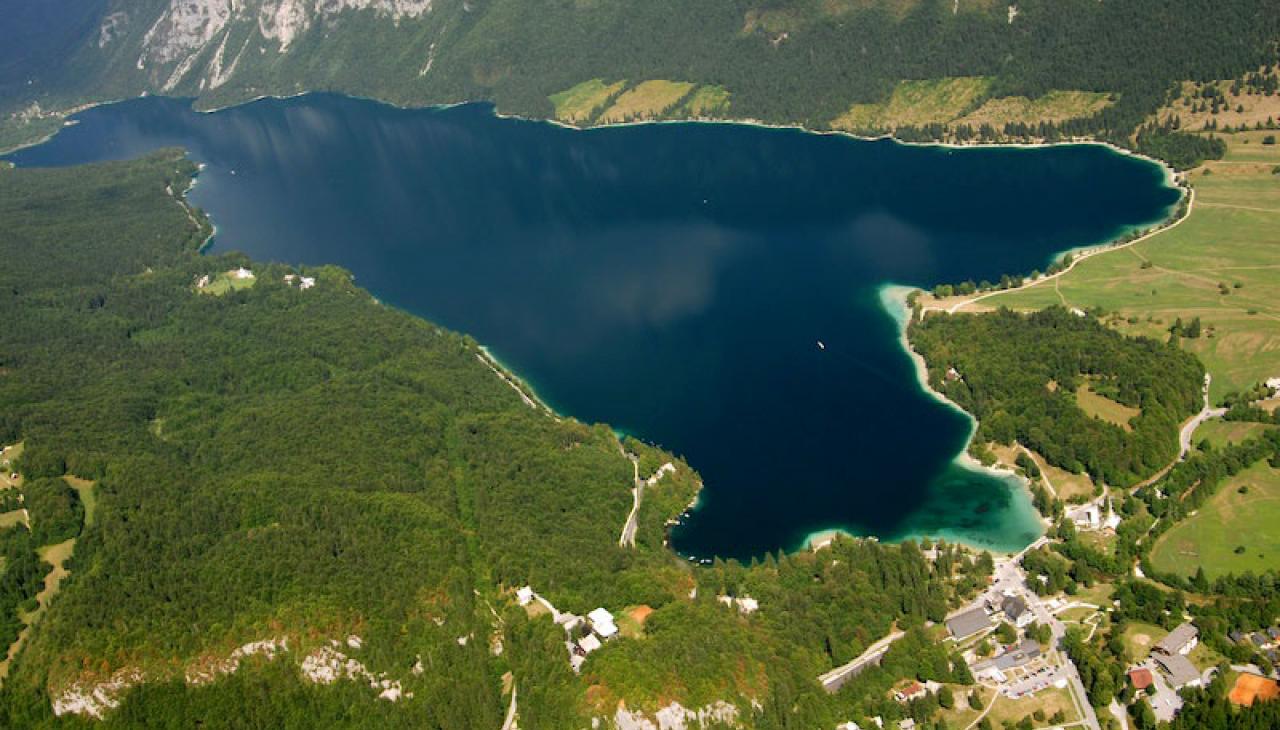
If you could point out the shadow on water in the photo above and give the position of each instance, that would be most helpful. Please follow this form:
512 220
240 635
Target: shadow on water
672 280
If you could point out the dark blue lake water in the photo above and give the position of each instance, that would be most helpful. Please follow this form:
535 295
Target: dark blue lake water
672 280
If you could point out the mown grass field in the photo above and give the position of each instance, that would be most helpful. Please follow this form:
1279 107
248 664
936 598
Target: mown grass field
1228 521
1220 433
583 102
1048 701
1222 264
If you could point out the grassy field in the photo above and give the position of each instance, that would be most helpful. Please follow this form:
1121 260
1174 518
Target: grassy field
84 488
965 100
1049 701
1222 264
647 100
1227 522
962 715
227 282
1055 106
1139 638
1100 406
1219 433
583 102
917 103
706 101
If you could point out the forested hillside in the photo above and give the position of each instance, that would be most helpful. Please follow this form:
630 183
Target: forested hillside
282 472
795 61
1021 374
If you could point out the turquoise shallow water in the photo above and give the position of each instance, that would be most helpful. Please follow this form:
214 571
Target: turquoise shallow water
672 280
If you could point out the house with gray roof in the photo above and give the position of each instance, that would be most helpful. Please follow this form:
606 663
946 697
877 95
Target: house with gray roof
1180 670
1179 641
964 625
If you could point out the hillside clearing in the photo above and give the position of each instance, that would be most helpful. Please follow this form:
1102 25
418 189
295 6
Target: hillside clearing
648 100
965 100
583 102
1100 406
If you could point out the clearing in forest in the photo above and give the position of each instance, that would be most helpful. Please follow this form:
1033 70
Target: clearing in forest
228 281
706 101
1237 530
1055 106
1100 406
1222 264
915 103
648 100
583 102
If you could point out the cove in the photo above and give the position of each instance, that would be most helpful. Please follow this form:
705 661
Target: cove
673 280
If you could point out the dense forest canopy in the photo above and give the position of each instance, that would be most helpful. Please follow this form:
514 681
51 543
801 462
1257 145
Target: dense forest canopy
1019 375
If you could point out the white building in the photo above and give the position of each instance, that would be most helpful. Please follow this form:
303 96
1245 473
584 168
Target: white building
602 623
524 595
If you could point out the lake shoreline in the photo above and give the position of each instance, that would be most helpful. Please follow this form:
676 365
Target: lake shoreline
1169 172
930 516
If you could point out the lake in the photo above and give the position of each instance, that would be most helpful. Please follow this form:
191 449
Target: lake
672 280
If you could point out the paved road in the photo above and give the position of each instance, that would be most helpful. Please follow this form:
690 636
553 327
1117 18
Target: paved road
835 679
1012 573
510 722
1207 412
628 537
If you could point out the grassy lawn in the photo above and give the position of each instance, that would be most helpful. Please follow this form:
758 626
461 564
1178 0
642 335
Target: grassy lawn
1139 638
648 100
1220 433
1204 657
1103 542
1076 615
1230 520
1100 406
1049 701
1078 487
1222 264
9 519
227 282
582 102
1098 595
